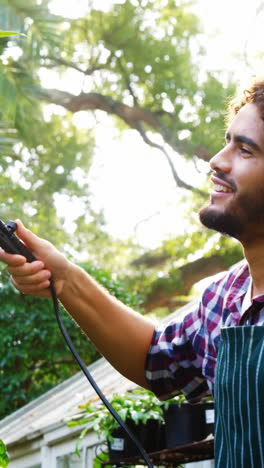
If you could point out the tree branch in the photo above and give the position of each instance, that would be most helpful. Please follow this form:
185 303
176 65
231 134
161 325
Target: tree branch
178 180
134 117
60 61
190 274
127 81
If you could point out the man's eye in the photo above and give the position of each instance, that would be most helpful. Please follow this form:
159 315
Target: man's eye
245 150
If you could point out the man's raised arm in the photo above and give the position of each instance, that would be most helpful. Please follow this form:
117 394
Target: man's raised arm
122 335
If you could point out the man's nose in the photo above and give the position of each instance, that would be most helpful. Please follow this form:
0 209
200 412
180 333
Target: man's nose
222 161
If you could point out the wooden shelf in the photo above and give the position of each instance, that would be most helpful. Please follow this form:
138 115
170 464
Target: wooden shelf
197 451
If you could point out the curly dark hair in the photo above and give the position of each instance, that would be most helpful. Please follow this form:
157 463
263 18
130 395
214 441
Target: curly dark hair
253 94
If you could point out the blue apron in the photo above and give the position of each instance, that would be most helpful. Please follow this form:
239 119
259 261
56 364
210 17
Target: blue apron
239 398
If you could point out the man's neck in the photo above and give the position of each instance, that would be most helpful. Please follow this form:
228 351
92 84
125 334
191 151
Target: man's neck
254 255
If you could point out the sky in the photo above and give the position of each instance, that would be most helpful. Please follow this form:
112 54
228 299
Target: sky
131 182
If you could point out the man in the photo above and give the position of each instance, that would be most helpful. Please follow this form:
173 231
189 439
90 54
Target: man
183 356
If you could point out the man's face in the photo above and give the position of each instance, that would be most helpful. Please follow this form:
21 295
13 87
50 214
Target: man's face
236 207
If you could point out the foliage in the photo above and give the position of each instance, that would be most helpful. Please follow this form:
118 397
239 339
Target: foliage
40 154
4 459
101 458
160 89
34 356
116 287
138 405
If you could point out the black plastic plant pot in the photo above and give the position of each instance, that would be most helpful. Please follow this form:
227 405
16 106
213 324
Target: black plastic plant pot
187 423
116 445
151 436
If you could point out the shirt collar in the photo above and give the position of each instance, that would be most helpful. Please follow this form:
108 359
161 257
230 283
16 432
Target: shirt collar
245 292
238 288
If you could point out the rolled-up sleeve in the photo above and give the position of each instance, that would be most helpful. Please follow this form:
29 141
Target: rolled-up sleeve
175 360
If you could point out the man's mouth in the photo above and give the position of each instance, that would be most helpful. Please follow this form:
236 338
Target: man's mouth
221 185
222 188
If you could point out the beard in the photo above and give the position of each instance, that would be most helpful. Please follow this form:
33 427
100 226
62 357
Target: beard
225 223
239 218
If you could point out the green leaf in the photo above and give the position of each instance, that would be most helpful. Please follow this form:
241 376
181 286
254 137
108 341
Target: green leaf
10 33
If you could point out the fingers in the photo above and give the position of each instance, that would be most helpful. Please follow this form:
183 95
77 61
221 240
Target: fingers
18 268
34 279
36 287
30 274
33 242
40 289
26 235
11 259
31 278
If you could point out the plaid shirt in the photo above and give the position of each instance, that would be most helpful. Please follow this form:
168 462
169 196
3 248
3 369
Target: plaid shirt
182 355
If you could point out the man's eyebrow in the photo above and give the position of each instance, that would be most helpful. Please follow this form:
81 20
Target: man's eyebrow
243 139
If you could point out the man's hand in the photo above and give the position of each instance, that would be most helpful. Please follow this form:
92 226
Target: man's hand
34 278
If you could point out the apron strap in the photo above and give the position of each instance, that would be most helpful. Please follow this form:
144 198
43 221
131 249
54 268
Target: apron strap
239 397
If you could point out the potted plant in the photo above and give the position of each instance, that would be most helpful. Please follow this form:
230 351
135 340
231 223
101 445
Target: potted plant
156 424
186 423
142 412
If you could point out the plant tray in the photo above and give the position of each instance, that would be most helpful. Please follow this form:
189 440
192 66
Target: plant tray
196 451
